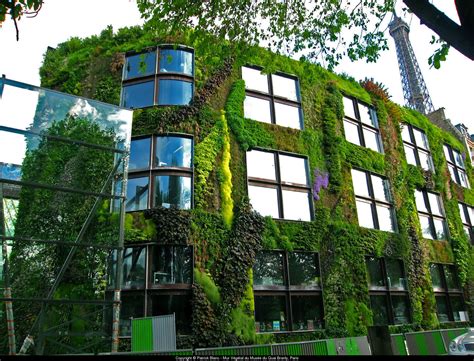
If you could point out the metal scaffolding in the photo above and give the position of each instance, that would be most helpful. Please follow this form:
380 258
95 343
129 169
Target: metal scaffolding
52 329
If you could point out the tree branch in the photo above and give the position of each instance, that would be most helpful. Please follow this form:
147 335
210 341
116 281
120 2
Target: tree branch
447 29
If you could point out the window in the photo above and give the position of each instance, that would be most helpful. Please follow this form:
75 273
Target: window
431 215
360 124
278 185
160 172
273 98
157 280
163 76
467 217
287 292
373 201
388 291
416 147
448 293
456 167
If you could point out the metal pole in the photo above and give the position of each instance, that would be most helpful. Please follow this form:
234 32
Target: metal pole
118 272
7 291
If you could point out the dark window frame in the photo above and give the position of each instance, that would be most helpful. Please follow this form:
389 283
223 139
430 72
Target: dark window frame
446 292
150 289
431 216
457 168
156 76
361 125
416 147
152 170
272 98
469 222
373 201
287 290
279 185
387 291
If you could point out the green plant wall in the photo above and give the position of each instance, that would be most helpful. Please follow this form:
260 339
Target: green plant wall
226 234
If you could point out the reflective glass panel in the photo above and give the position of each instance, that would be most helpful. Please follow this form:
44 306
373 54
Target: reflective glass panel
440 228
452 173
174 92
446 153
254 79
264 201
307 312
371 139
257 109
458 159
425 160
442 309
173 152
261 165
133 305
470 212
410 154
348 107
139 154
296 205
366 115
285 87
395 275
171 264
436 276
303 268
359 181
458 307
138 95
287 116
405 133
462 214
270 314
385 218
351 131
425 226
268 269
420 201
364 214
293 169
176 61
140 65
180 305
401 310
378 304
435 204
452 280
467 231
137 194
172 191
420 138
134 267
381 189
374 272
463 178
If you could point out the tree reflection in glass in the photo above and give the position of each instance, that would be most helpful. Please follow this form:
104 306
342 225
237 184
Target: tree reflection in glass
268 269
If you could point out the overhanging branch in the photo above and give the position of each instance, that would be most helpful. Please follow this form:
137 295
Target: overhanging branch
442 25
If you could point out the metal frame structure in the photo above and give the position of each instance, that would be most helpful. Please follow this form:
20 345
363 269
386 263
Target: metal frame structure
415 91
37 333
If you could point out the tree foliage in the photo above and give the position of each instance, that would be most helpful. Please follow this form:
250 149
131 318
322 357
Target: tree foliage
15 9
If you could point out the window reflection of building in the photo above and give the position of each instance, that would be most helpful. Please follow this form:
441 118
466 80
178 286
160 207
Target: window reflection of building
388 291
415 144
467 217
160 172
161 76
287 292
431 215
156 281
456 166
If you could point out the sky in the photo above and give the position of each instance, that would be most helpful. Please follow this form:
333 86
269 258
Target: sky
449 87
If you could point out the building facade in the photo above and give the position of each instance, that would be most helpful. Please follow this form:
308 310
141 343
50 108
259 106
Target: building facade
269 199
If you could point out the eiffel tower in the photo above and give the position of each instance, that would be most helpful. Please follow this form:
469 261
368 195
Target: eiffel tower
415 91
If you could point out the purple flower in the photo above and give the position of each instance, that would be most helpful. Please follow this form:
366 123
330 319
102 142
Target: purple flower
321 180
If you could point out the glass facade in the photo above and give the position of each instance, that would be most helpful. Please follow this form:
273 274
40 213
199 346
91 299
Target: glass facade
467 218
431 215
415 143
456 166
